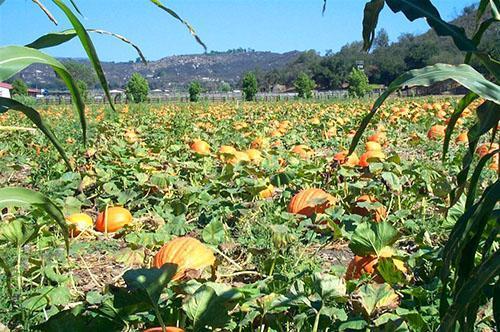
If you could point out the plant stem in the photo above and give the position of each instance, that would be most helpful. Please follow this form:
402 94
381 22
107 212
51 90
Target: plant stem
19 276
316 321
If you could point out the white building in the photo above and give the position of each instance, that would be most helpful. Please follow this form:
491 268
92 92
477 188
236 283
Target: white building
5 90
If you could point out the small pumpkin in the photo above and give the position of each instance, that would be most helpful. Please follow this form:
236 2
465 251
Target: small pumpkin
378 214
167 329
200 147
267 193
365 158
188 253
436 132
112 220
462 138
302 150
79 222
310 201
360 265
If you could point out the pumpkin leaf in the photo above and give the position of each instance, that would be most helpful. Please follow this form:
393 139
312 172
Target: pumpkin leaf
329 286
372 298
214 233
370 238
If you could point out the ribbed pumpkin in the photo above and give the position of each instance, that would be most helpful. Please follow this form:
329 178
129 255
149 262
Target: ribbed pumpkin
436 132
79 222
200 147
117 218
379 214
187 252
167 329
360 265
311 201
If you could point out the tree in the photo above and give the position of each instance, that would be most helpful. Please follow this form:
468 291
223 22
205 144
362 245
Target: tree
358 83
304 86
19 88
225 87
194 91
83 89
382 39
81 71
137 88
250 86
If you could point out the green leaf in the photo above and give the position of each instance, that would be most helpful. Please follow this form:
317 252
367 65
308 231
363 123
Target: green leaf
329 286
369 238
214 233
372 298
205 307
13 59
88 46
425 9
8 275
463 74
174 15
370 20
59 37
17 233
479 35
22 197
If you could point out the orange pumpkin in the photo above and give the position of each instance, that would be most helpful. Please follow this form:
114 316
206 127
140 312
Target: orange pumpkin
311 201
360 265
486 148
373 146
369 155
342 159
238 157
79 222
436 132
115 218
200 147
302 150
267 193
379 214
188 253
378 137
462 138
167 329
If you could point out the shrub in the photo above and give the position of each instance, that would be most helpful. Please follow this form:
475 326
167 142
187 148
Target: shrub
358 83
250 86
137 88
304 86
194 91
19 88
83 89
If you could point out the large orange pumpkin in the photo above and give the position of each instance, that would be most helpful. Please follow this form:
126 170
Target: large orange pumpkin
79 222
311 201
379 214
436 132
187 252
167 329
200 147
115 219
360 265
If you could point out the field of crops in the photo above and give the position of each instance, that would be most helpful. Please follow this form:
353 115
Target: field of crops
291 234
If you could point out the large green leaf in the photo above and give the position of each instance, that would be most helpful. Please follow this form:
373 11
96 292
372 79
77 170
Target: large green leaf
425 9
462 74
88 47
59 37
174 15
369 238
13 59
373 298
34 116
22 197
370 20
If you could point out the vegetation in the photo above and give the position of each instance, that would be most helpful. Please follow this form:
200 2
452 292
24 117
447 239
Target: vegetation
250 87
83 89
137 88
358 83
19 88
194 91
304 86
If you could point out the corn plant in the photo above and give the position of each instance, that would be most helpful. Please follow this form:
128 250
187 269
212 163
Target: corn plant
470 258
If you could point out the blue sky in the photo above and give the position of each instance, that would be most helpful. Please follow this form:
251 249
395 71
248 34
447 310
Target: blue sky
264 25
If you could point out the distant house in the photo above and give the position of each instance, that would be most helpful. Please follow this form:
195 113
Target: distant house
5 89
34 92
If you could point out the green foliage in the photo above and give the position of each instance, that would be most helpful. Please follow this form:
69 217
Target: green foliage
358 83
225 87
250 87
19 88
83 89
81 71
137 88
194 91
304 86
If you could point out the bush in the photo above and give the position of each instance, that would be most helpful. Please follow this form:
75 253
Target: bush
304 86
83 89
19 88
358 83
137 88
194 91
250 86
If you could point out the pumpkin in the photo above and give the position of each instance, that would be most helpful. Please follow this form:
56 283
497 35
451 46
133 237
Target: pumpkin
315 121
302 150
115 217
369 155
259 143
379 214
200 147
267 193
436 132
227 149
360 265
238 157
486 148
79 222
342 159
462 138
378 137
373 146
167 329
187 252
311 201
